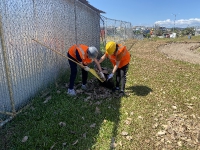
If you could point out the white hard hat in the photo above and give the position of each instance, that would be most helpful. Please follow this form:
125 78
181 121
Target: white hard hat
92 52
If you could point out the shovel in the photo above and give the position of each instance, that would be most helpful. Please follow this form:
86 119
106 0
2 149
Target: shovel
91 70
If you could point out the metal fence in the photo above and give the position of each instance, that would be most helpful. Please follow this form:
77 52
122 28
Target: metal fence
115 30
27 67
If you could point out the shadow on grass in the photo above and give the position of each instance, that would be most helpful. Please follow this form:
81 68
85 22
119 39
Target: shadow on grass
140 90
92 124
64 122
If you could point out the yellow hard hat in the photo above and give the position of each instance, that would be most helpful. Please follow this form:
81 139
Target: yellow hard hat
110 47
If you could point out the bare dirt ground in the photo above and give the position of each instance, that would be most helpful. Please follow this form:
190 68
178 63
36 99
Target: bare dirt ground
189 52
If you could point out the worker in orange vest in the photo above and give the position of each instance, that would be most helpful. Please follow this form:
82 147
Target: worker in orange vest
120 58
84 55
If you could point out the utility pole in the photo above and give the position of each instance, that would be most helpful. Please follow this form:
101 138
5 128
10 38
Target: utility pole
174 20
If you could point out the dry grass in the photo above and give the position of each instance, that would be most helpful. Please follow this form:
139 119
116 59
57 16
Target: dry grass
161 110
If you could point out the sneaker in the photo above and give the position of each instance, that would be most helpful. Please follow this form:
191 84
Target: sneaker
123 94
71 92
84 87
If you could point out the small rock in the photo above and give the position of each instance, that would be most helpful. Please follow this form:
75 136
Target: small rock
160 133
25 139
174 107
124 133
179 143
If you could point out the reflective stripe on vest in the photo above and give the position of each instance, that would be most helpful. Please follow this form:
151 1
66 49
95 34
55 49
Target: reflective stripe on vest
82 51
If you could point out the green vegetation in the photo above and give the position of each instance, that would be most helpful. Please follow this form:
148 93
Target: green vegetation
157 87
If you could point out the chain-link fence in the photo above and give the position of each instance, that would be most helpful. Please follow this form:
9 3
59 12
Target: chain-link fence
28 67
114 30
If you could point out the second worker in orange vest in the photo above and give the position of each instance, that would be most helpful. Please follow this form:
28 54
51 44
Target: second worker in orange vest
120 58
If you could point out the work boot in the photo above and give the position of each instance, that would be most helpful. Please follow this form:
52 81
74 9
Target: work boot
122 93
71 92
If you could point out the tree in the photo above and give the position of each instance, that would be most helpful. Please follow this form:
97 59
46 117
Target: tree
188 30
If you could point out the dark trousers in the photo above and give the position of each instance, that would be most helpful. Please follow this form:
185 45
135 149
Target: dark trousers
73 67
121 77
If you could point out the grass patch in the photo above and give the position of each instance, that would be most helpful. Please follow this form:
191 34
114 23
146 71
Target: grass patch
154 83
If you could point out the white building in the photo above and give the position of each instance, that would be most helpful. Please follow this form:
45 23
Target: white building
197 31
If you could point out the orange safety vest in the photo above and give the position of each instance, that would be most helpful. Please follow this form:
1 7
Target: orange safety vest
125 59
82 50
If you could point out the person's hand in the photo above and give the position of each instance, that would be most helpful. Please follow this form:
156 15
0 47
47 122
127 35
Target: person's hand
110 76
86 68
102 75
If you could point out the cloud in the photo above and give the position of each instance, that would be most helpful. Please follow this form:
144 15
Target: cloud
180 22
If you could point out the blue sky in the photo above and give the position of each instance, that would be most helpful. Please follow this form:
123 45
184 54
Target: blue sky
185 13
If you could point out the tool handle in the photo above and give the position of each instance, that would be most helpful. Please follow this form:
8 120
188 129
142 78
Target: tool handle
58 52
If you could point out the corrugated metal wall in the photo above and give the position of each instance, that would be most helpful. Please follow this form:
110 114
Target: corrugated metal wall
25 66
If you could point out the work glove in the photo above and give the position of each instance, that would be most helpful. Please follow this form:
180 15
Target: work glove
86 68
102 75
110 76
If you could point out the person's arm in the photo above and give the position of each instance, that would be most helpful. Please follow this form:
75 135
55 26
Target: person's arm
115 67
114 70
102 58
98 65
118 59
100 70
